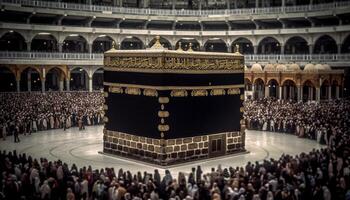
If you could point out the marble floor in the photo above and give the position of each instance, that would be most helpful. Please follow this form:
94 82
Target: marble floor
83 147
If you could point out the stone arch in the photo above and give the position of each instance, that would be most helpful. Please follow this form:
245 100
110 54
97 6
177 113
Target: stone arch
324 89
97 78
309 90
132 42
185 44
272 85
296 45
79 78
54 79
13 41
259 88
325 44
245 45
75 43
165 42
345 47
7 79
269 45
287 80
248 84
215 45
102 43
44 42
31 79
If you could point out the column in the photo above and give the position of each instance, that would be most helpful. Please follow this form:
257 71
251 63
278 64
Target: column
253 91
318 93
284 92
280 92
329 92
235 4
61 85
311 48
311 93
29 81
173 3
90 47
90 84
145 3
43 85
256 3
291 92
60 47
18 85
29 44
339 49
283 3
267 91
229 48
68 84
282 49
300 92
255 49
337 92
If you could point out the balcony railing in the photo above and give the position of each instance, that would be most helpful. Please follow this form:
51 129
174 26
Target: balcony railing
248 58
174 12
50 56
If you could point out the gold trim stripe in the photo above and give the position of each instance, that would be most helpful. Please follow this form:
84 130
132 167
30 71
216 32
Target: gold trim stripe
174 87
173 71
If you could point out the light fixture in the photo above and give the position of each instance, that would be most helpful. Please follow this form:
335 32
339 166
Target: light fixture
73 35
11 31
44 33
101 36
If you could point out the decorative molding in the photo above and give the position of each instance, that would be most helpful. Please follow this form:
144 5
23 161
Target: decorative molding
233 91
178 93
173 71
162 88
217 92
199 93
173 60
163 114
163 127
133 91
163 100
150 92
105 119
115 89
105 107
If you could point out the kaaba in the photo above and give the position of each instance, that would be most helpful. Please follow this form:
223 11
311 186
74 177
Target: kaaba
172 106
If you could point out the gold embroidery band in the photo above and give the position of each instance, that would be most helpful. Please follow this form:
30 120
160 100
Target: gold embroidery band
174 71
174 87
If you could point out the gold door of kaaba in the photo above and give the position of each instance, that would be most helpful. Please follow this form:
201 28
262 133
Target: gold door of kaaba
169 106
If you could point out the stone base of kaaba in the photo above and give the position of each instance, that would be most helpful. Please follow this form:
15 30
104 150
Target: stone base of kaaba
173 151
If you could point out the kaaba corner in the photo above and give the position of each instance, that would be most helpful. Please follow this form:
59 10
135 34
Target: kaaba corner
171 106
